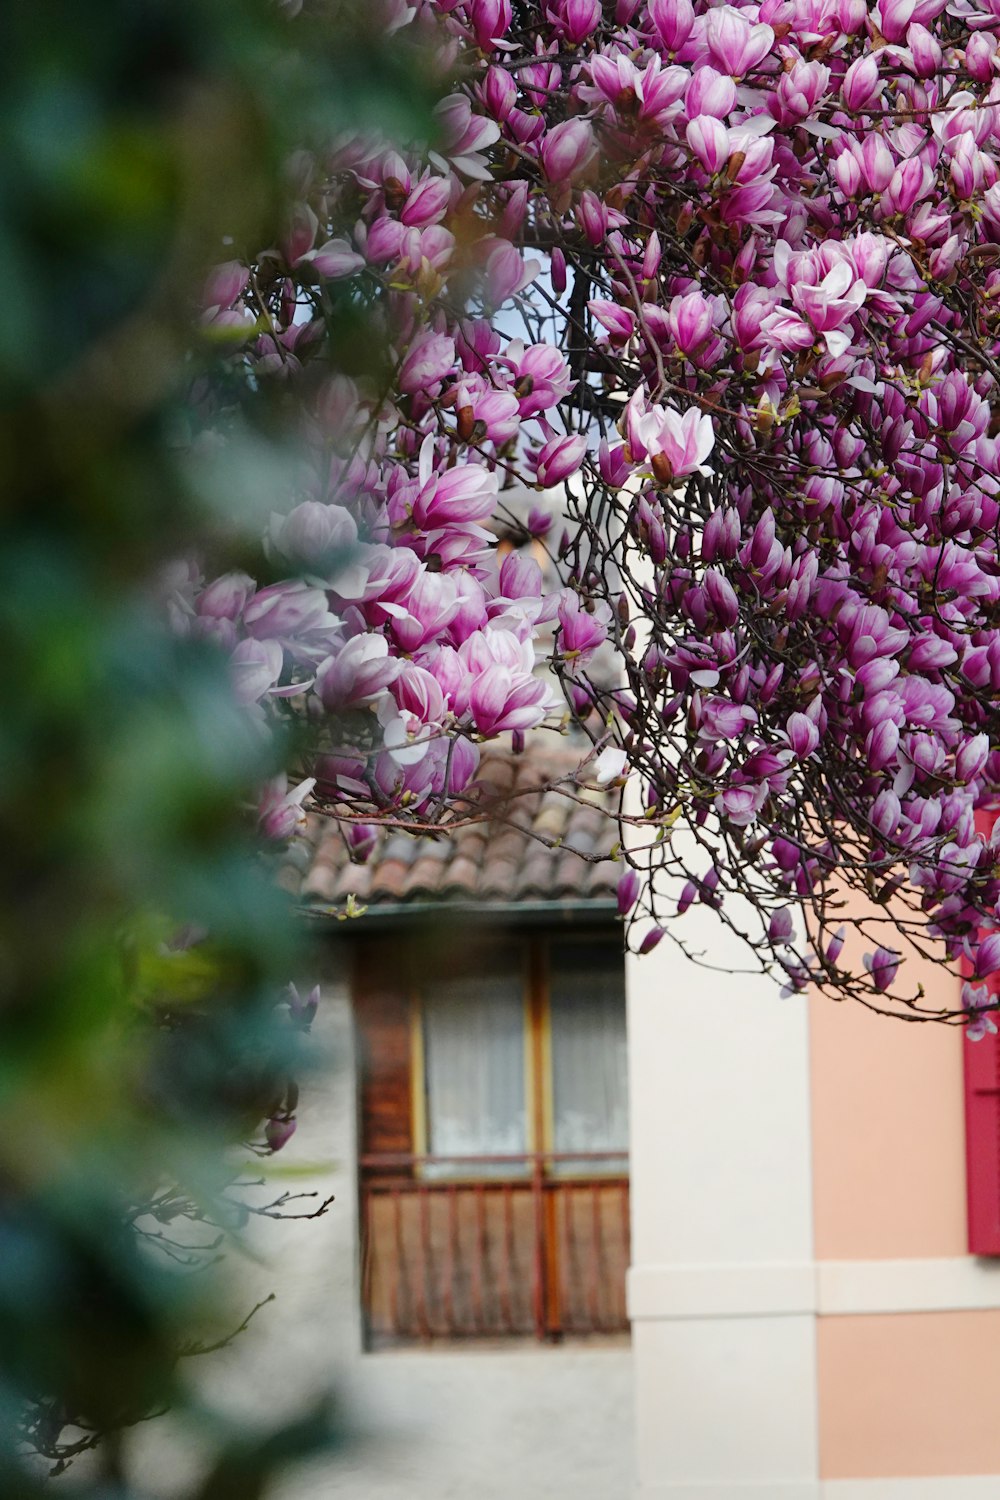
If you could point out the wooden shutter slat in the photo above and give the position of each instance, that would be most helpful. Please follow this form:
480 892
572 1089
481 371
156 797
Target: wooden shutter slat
385 1073
982 1124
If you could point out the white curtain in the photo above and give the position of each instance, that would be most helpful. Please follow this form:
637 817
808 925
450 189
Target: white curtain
474 1061
589 1060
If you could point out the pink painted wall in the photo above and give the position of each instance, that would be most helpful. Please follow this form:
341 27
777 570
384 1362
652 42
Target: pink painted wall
888 1132
909 1394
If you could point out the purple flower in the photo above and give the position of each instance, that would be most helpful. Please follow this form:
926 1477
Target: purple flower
427 203
886 813
578 18
334 260
709 93
580 632
650 940
988 955
490 22
883 966
303 1008
278 1131
361 839
675 445
881 745
314 534
835 946
628 891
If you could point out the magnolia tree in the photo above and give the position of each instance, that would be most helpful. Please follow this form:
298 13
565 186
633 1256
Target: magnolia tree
726 275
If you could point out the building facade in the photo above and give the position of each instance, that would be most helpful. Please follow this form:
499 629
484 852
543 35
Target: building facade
808 1320
791 1193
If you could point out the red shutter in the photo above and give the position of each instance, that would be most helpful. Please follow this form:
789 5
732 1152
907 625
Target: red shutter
982 1125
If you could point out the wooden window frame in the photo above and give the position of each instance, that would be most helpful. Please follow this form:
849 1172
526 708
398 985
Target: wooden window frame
539 1076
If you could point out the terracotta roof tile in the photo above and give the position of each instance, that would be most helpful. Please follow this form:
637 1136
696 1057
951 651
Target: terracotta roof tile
525 847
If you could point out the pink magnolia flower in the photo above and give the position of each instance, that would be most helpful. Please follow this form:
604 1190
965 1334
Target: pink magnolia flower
709 140
314 534
430 606
254 668
485 414
734 45
490 22
357 673
577 19
427 203
581 631
976 1000
226 597
861 86
559 458
709 93
504 694
278 1131
675 445
673 22
223 286
566 150
279 811
506 273
540 376
334 260
429 359
463 495
619 321
287 611
690 320
464 137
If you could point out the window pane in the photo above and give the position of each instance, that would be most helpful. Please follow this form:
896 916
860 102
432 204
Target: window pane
474 1060
589 1073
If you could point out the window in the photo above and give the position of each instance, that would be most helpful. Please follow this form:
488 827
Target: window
494 1134
473 1085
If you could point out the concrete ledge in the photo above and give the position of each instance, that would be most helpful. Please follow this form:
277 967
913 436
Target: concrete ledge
938 1487
887 1286
771 1489
850 1288
734 1291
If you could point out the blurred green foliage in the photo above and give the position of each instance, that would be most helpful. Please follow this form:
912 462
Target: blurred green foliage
143 141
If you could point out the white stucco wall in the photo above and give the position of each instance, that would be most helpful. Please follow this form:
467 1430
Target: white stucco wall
721 1285
507 1422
